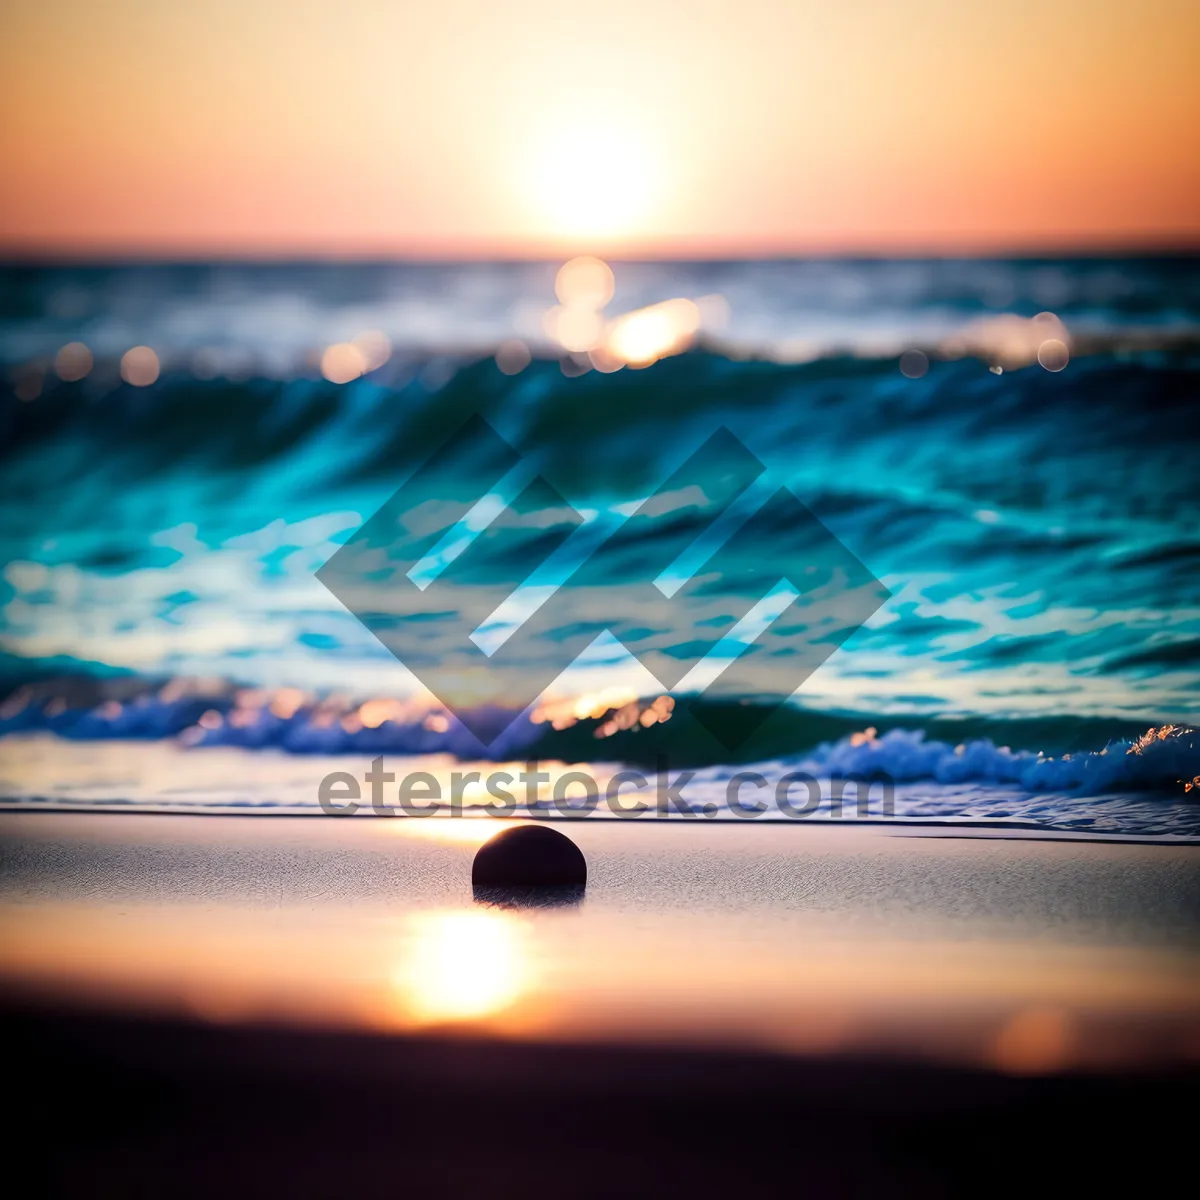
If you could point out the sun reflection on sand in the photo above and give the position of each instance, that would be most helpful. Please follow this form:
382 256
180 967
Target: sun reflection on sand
462 966
1036 1041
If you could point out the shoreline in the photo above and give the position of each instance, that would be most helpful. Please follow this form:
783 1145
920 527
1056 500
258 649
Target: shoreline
965 827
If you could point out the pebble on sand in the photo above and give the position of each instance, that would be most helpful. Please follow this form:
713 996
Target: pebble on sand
529 856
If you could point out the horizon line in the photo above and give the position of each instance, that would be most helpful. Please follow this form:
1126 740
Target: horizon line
31 252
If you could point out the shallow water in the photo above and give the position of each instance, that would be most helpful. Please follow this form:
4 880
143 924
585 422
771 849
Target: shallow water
42 772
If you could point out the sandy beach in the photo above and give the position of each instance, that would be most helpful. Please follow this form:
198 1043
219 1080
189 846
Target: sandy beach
1020 956
322 1006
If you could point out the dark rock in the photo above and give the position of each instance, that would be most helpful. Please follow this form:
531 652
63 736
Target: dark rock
529 856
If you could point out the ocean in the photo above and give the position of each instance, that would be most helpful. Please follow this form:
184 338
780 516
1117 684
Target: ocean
1008 449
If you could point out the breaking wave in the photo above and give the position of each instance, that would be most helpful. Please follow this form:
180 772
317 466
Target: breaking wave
206 713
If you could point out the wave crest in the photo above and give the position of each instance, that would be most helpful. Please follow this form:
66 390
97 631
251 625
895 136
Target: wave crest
1164 758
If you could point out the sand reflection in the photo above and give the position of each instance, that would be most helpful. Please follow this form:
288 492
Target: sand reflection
463 966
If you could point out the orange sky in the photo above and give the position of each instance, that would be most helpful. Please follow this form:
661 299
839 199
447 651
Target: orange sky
698 127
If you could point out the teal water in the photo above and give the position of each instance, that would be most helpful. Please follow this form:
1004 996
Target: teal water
1035 531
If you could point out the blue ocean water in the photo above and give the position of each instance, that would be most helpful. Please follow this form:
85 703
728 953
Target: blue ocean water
1035 529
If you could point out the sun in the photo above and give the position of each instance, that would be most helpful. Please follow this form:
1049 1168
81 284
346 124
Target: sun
591 181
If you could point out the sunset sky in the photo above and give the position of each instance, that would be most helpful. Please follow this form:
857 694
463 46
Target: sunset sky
691 127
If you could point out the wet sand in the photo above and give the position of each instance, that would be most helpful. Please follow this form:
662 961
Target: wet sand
1030 957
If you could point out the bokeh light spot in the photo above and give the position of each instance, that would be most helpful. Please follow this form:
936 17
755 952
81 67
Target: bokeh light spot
375 348
74 361
27 382
575 365
1053 354
575 329
512 357
139 366
585 282
343 362
644 336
